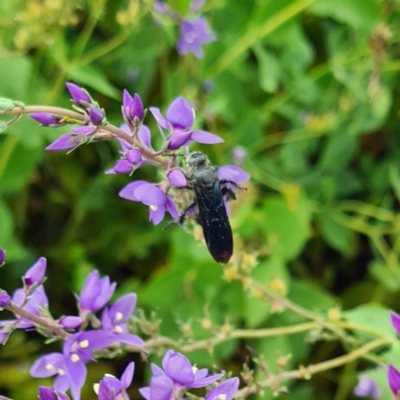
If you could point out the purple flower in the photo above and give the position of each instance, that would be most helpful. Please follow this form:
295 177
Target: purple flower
48 119
95 293
178 374
394 381
152 196
179 121
367 387
70 322
395 318
35 274
79 96
69 366
5 299
194 34
225 390
96 116
232 173
35 301
67 376
2 256
111 388
131 158
114 320
132 108
239 155
48 393
78 136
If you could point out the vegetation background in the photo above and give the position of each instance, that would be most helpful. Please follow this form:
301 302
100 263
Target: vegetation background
308 87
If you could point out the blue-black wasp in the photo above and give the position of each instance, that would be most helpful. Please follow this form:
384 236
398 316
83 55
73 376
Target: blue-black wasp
209 193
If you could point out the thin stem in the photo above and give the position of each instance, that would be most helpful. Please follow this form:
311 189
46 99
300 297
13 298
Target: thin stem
51 325
307 372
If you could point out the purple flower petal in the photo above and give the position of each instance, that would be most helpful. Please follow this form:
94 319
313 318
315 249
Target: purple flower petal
225 390
47 365
145 392
367 387
171 208
177 140
161 388
145 136
206 137
130 339
394 379
206 381
36 273
193 35
132 107
64 142
232 173
77 373
70 322
96 116
395 318
159 118
47 119
105 391
2 255
176 178
126 378
123 308
133 156
157 214
123 167
46 393
178 368
5 299
150 194
180 114
78 95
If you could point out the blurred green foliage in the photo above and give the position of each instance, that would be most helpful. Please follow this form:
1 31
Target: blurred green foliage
308 87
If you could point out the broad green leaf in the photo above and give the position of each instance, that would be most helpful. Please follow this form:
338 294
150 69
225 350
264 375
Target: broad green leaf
269 68
373 320
258 310
358 14
383 274
337 235
285 232
92 77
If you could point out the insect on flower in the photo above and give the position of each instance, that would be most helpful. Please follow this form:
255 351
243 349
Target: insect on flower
210 193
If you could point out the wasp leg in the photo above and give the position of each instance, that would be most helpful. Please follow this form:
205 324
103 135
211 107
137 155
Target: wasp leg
182 217
234 184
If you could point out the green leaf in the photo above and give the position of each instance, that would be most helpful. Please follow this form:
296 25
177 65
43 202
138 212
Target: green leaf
337 235
383 274
269 68
359 14
90 76
258 310
284 230
373 317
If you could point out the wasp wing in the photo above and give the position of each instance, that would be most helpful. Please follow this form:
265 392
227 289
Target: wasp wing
215 223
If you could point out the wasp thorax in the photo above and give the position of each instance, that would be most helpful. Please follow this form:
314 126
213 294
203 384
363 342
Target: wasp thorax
197 160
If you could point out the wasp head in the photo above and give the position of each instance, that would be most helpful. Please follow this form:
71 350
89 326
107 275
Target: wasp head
197 160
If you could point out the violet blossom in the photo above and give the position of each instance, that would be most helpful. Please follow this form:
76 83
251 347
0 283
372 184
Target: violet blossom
179 121
394 381
70 365
96 116
96 293
151 196
132 109
48 119
5 299
131 157
80 96
177 375
225 390
2 256
114 320
111 388
367 387
194 34
49 393
79 136
35 274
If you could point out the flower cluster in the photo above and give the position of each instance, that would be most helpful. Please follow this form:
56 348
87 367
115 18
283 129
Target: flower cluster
81 334
134 137
194 29
30 306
